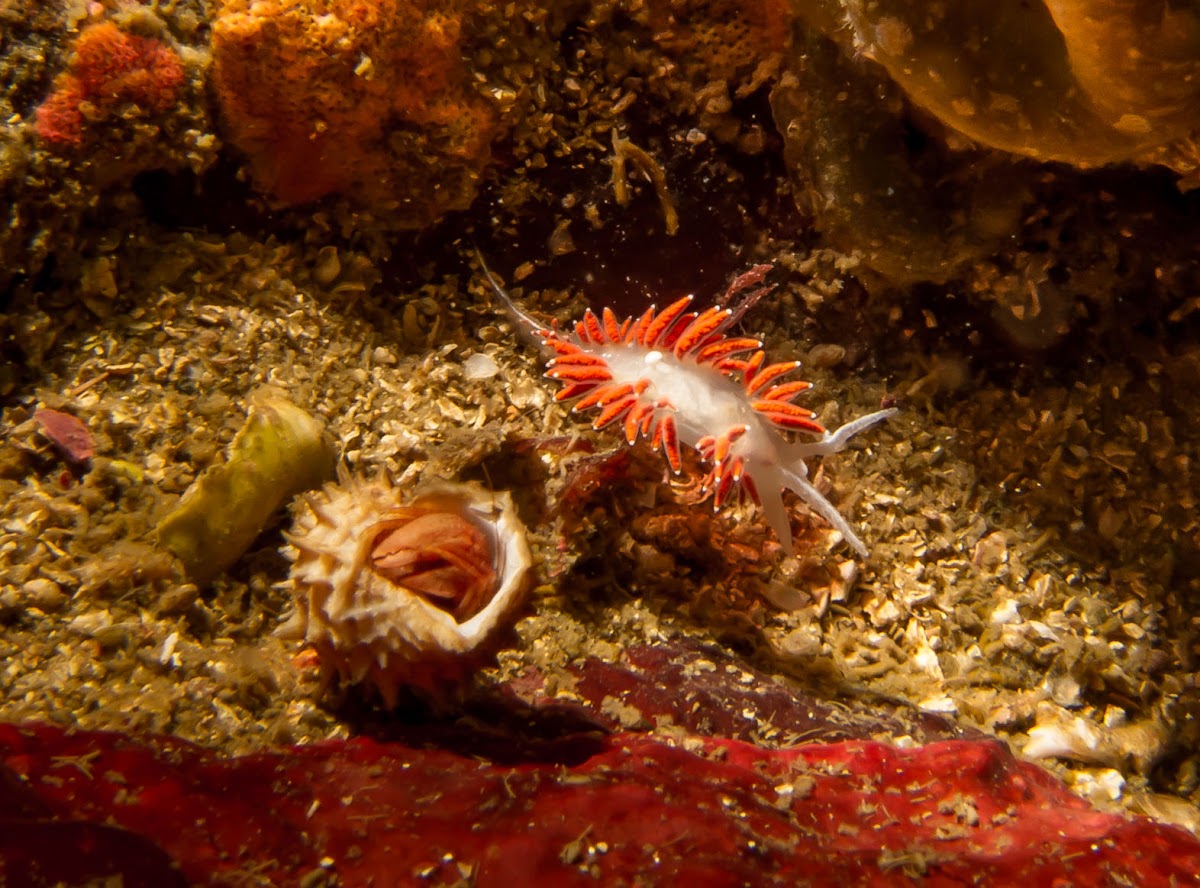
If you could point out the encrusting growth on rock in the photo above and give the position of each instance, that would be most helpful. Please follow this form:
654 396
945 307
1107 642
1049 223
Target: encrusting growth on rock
367 99
110 68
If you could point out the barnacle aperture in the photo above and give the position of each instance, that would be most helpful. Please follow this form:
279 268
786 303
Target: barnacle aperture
442 555
394 594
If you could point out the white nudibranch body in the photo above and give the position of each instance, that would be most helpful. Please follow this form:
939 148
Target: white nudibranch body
676 378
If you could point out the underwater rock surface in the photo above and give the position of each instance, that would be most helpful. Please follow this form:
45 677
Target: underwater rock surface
910 128
1033 508
1081 82
711 812
91 96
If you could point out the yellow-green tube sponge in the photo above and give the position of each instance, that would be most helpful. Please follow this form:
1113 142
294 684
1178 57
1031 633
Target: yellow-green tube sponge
280 451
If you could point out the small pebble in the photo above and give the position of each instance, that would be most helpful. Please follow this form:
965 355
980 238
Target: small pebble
826 356
177 600
328 266
480 366
44 594
67 433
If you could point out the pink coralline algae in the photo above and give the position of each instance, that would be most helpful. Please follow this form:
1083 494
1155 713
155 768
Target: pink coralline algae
620 810
109 69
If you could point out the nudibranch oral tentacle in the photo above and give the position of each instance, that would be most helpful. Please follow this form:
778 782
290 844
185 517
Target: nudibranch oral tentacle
674 377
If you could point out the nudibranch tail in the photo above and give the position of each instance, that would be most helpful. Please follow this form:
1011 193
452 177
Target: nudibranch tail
795 476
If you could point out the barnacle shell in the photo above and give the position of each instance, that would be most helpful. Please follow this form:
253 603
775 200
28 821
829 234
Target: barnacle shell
386 620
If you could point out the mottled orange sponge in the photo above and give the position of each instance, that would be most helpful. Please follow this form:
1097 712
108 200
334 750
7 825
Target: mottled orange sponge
368 98
109 71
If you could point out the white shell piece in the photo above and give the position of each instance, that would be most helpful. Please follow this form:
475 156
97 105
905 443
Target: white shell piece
368 629
480 366
1069 738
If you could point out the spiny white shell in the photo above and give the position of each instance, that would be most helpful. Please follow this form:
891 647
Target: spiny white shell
367 629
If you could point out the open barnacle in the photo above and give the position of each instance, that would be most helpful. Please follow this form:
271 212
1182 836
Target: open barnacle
439 553
413 594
